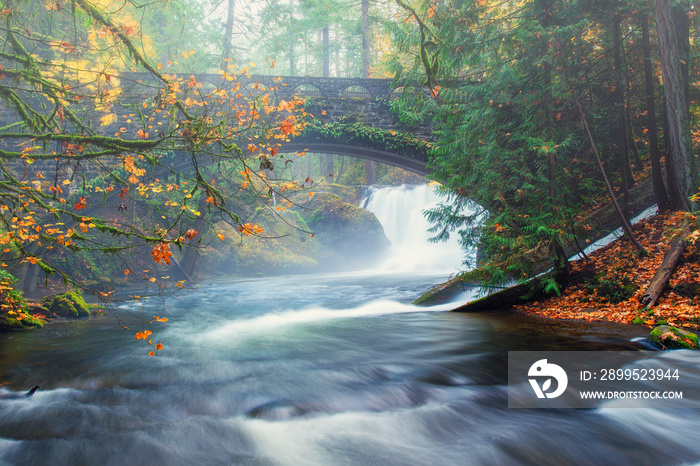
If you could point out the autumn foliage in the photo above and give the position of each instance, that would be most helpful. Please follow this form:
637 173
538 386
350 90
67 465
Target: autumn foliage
96 138
610 285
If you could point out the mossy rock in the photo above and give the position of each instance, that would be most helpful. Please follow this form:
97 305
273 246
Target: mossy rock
673 338
8 323
70 304
346 228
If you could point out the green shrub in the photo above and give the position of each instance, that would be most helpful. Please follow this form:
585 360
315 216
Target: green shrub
615 286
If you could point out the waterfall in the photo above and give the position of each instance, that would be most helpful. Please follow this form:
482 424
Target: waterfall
400 211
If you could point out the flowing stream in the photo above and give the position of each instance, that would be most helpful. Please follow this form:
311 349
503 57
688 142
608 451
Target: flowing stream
313 370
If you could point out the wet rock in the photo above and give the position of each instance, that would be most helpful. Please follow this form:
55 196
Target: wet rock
35 308
71 304
278 410
348 232
19 321
669 337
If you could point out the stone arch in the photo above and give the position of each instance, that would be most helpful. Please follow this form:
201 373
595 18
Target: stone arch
356 92
396 93
390 158
308 90
255 89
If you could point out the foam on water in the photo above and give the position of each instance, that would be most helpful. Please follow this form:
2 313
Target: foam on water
276 321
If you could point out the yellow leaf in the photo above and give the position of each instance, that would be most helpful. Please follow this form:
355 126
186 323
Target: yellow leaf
221 237
108 119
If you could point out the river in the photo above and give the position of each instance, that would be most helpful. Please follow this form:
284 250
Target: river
313 370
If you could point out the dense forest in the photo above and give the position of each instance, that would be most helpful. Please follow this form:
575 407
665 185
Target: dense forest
116 155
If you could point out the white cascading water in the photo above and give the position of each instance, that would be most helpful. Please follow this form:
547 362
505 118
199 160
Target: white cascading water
400 211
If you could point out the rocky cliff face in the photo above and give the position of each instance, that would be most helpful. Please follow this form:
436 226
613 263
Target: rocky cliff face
349 235
326 233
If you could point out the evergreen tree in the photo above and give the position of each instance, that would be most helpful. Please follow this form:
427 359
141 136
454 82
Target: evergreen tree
507 85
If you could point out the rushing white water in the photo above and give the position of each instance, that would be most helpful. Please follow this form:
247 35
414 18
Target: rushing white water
276 321
400 211
328 369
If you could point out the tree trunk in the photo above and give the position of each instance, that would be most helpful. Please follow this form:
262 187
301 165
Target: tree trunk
682 179
341 170
29 273
370 172
623 219
292 65
292 61
338 63
623 131
326 52
365 39
228 33
682 24
657 177
663 273
329 166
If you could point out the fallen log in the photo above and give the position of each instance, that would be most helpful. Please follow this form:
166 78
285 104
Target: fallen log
663 273
441 293
531 290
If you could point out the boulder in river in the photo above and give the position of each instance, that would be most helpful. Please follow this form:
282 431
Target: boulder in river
348 233
70 304
673 338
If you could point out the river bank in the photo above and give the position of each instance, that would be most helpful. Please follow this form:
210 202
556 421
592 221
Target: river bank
608 285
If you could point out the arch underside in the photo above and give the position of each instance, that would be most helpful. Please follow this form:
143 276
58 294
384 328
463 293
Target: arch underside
377 155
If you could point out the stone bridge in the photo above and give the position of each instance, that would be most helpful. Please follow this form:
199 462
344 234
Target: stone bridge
348 102
354 107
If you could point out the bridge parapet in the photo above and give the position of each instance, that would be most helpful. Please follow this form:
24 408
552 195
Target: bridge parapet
329 100
288 86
